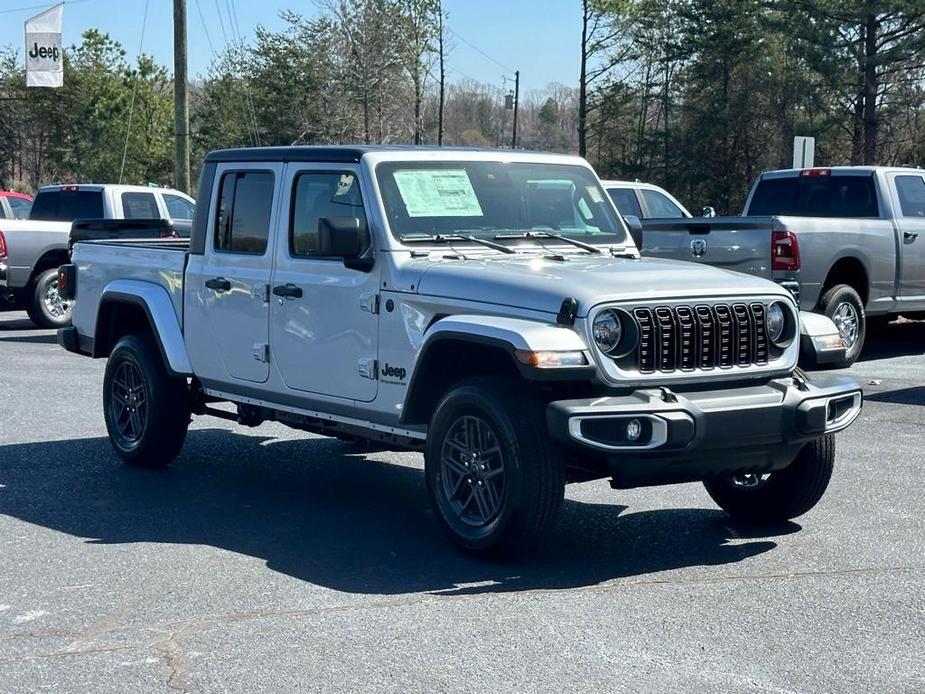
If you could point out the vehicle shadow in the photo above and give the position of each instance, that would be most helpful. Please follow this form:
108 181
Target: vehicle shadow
914 395
318 510
46 339
14 320
895 340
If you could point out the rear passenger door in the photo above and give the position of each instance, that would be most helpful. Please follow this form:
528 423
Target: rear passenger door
228 324
910 218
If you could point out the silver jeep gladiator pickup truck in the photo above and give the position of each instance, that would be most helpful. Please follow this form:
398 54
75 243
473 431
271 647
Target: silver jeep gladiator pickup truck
848 241
485 307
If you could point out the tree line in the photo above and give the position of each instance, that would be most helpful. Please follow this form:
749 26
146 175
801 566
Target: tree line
698 96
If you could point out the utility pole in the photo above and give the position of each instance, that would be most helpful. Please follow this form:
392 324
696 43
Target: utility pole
516 103
180 98
442 75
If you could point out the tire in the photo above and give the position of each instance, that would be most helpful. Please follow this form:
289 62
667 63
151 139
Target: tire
517 506
781 495
843 305
148 431
45 308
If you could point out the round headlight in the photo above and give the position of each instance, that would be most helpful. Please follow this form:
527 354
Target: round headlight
607 329
777 322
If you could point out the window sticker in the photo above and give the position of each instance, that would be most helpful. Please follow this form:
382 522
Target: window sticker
595 193
438 193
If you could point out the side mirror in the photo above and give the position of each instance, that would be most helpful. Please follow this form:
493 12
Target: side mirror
341 237
708 211
635 226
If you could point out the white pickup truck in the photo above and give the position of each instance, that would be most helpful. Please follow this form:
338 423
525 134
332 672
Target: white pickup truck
485 307
32 249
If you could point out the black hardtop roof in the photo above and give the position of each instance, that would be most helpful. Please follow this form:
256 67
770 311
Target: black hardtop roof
323 153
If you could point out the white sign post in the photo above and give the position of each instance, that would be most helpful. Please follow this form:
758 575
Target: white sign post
44 57
804 152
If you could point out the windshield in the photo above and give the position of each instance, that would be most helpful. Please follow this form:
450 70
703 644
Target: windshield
495 199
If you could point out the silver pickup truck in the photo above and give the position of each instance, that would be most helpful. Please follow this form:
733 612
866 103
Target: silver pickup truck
34 248
485 307
844 240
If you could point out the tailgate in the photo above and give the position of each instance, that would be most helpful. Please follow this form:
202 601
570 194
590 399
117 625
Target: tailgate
742 244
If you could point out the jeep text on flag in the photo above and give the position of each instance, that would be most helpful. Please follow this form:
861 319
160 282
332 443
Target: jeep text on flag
44 57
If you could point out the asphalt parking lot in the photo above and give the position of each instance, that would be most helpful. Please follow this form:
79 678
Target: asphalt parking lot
269 560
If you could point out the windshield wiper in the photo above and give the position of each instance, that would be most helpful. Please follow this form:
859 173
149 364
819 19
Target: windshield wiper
446 238
550 235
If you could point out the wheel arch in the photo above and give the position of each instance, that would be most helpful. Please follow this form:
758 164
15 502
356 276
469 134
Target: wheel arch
850 270
128 309
461 347
49 260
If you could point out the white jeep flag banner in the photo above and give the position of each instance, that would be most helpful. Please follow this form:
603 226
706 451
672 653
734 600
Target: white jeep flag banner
44 57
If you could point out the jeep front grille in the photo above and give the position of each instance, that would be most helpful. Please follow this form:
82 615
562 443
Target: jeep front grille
685 338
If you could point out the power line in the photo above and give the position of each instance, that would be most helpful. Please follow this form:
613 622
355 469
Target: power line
479 50
131 108
46 5
205 27
221 22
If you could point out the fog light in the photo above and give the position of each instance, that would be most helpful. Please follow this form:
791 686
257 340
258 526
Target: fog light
633 430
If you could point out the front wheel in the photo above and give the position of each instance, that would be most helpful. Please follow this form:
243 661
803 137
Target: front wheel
147 410
45 305
781 495
494 479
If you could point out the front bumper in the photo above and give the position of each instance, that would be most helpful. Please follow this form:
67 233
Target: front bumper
691 436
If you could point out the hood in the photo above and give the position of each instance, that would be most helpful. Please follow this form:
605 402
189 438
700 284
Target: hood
533 282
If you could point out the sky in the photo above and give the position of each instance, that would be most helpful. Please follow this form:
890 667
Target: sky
489 39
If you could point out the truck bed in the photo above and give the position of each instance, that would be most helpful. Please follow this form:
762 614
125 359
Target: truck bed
100 263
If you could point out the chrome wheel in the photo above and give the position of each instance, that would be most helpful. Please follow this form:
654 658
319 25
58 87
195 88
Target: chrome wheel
128 404
472 467
56 306
847 321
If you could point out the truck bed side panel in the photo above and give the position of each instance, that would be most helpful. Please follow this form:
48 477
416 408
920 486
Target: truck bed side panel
98 264
825 241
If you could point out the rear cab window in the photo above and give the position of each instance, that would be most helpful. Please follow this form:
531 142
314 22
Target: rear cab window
140 206
836 196
245 204
67 204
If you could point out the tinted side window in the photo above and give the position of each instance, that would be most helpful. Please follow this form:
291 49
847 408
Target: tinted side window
139 206
244 206
67 205
20 207
319 195
177 207
660 206
911 191
626 201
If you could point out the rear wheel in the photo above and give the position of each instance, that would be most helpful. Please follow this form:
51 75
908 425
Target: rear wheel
495 481
147 410
780 495
843 305
45 305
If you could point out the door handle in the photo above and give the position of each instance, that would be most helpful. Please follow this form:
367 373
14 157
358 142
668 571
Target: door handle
910 235
288 290
219 284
